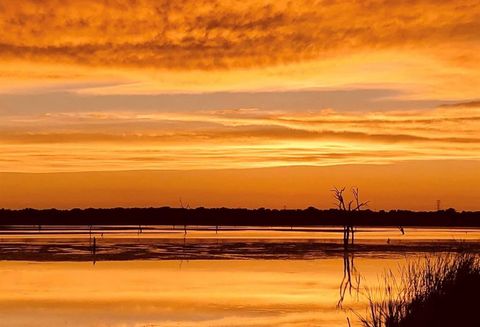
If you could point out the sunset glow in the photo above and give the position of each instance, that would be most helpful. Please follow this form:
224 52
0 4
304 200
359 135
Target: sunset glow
200 86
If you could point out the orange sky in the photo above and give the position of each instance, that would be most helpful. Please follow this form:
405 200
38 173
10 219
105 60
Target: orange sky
195 86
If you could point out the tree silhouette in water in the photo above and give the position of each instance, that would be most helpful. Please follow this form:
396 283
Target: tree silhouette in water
349 270
353 205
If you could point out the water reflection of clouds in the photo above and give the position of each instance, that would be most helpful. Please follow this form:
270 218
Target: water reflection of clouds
54 284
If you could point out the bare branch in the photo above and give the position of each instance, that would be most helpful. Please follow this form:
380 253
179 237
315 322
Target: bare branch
353 205
338 195
186 206
356 195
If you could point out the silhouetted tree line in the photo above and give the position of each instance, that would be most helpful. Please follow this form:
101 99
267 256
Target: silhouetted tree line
238 217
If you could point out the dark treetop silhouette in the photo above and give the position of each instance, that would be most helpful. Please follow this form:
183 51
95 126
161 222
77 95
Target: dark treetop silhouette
239 217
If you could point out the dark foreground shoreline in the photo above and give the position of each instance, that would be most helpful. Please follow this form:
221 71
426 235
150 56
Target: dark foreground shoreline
239 217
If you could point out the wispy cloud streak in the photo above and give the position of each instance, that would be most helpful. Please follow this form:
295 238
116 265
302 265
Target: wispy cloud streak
235 139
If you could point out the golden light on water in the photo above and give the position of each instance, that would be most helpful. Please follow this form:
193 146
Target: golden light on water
216 291
210 293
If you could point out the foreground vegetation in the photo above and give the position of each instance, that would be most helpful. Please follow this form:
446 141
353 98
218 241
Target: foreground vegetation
439 291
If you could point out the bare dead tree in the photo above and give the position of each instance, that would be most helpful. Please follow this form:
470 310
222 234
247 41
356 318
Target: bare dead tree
340 200
353 205
186 206
351 278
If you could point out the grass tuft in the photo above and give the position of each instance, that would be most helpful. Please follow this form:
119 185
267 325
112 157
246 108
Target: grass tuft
437 291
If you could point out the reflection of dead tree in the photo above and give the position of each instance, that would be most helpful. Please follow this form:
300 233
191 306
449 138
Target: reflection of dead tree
94 250
349 273
90 235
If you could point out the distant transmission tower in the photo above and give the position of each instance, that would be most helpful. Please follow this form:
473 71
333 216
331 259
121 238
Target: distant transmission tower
438 205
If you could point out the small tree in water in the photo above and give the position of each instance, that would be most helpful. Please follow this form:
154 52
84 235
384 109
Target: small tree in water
352 205
348 256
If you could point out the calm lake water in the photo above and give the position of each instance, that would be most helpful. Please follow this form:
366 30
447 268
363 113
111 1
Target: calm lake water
160 276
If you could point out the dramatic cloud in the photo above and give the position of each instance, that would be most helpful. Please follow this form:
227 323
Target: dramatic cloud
221 84
158 45
220 34
207 84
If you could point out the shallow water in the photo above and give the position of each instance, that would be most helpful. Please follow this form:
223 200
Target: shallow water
158 276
